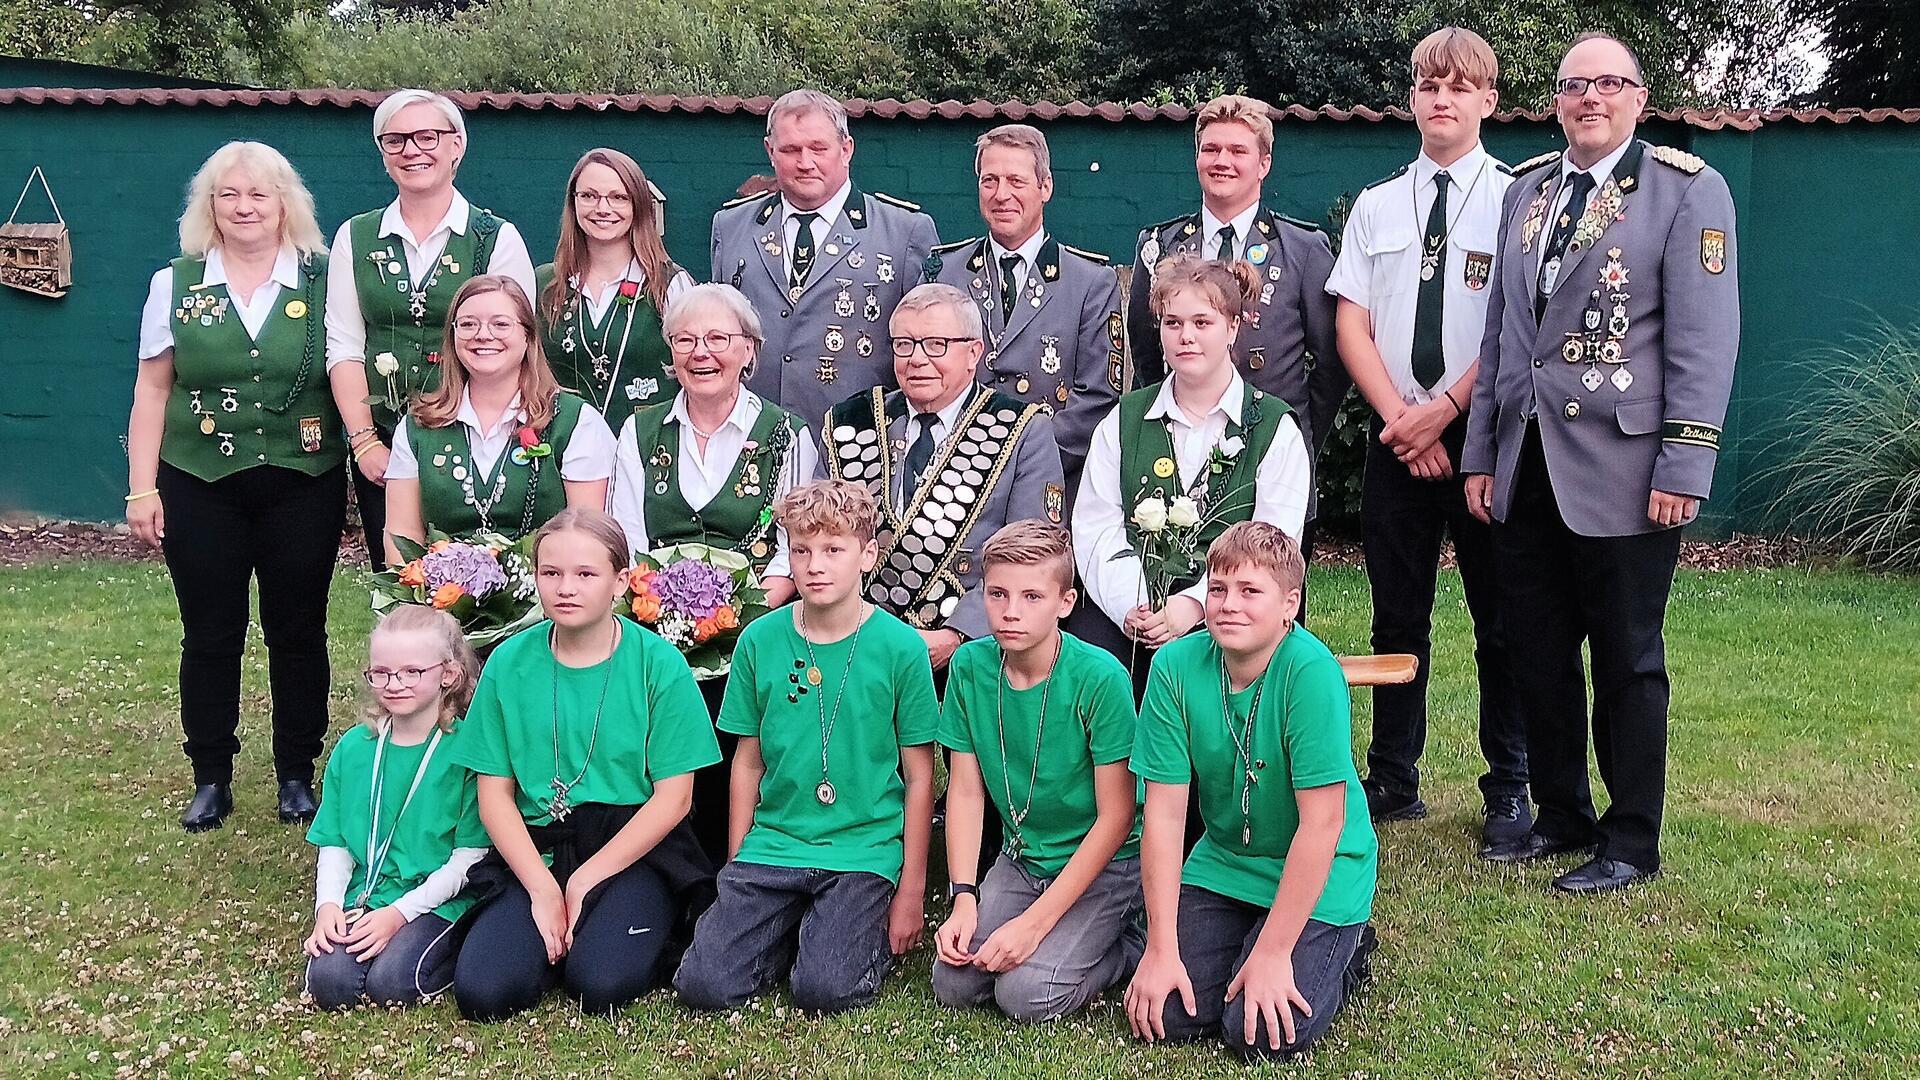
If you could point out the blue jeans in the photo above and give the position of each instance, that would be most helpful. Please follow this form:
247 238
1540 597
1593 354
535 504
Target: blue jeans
825 929
416 964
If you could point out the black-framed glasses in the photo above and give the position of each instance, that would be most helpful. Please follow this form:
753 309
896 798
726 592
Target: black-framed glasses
715 341
427 139
934 347
1576 86
407 677
615 199
470 327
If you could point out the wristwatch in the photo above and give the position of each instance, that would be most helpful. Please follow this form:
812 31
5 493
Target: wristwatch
956 890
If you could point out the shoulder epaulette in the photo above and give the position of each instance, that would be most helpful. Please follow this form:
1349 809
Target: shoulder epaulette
956 245
1503 167
901 203
1090 256
1394 175
1533 163
1691 164
743 200
1154 229
1310 226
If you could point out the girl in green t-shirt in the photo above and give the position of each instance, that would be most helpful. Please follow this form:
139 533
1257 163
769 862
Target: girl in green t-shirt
398 828
585 732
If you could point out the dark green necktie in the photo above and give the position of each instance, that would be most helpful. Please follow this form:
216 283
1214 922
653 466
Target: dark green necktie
920 454
1225 236
802 250
1008 290
1429 311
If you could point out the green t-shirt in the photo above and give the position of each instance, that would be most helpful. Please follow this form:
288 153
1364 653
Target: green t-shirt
1302 738
653 724
888 703
442 815
1090 722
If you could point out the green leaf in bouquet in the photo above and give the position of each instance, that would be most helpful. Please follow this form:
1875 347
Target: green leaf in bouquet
409 549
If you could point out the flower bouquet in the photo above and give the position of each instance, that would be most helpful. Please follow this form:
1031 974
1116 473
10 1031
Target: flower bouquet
486 583
698 598
1169 534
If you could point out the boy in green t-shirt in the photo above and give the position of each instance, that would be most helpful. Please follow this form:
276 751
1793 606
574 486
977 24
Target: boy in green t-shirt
1038 720
1264 932
832 781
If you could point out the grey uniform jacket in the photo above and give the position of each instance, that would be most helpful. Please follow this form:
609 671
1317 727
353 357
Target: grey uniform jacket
830 341
999 464
1062 348
1631 363
1286 343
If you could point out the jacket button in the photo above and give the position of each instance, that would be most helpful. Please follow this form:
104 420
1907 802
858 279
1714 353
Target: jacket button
786 359
255 352
1573 409
1539 363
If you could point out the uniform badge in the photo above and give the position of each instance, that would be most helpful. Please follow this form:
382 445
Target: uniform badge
1256 358
827 371
1622 378
1060 393
1055 501
310 434
207 425
1478 268
1572 349
1591 379
863 344
1591 317
1713 250
873 304
1266 293
771 245
1163 467
1021 385
1618 323
1613 275
843 300
856 260
884 270
1150 255
296 309
832 249
1050 356
1257 254
835 340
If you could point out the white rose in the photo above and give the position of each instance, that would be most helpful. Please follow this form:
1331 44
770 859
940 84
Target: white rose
386 364
1150 514
1232 447
1183 514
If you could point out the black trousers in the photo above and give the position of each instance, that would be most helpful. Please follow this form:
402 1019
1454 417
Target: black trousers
712 785
1559 589
1403 521
372 500
283 527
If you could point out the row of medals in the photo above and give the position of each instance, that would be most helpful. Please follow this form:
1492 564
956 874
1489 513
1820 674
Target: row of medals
1049 356
1593 347
229 403
389 263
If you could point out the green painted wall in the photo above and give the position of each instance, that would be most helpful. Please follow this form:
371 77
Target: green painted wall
1828 230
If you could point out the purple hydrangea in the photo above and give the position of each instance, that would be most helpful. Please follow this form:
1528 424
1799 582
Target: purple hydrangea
474 569
693 588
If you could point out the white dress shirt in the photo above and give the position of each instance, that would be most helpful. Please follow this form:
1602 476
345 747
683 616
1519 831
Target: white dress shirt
1210 227
587 456
1601 171
598 302
1107 562
1028 251
1379 264
829 212
943 424
156 316
347 329
702 476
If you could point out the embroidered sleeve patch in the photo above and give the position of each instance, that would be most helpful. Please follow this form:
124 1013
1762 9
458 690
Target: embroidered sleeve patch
1055 501
1713 250
1691 433
1116 351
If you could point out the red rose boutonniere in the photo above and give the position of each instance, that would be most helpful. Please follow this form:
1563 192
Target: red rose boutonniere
433 358
531 445
628 291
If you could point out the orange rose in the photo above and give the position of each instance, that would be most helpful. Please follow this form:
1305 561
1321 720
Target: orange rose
640 580
646 608
448 595
413 574
704 629
725 619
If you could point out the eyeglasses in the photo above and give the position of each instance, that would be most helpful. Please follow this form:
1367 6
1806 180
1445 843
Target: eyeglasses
934 347
409 677
1608 85
714 340
618 200
427 139
500 327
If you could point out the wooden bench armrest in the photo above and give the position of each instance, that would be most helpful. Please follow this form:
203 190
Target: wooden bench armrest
1385 669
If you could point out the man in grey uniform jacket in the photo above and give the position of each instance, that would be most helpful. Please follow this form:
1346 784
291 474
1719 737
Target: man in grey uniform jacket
949 461
822 261
1612 327
1051 312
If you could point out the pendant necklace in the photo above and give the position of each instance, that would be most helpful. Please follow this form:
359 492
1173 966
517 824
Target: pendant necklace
1430 249
558 807
1017 843
824 792
377 851
1242 745
605 368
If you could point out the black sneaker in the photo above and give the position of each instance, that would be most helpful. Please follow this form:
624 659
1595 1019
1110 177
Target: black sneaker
1508 818
1384 805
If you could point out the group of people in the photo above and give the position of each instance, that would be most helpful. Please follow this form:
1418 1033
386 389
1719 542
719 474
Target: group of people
894 431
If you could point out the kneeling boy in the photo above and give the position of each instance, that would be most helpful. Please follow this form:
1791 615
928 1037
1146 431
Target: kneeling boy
832 788
1040 723
1264 933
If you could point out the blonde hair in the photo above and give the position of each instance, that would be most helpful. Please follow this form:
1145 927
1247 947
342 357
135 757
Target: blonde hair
1262 546
439 407
200 233
1457 52
828 506
1257 115
454 652
1031 543
594 523
1017 137
1229 286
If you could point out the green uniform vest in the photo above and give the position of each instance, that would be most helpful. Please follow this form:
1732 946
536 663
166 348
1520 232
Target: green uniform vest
622 356
739 517
405 319
1229 494
524 491
237 401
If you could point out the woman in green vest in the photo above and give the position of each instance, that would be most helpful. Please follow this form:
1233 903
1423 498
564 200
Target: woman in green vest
1185 457
236 464
497 446
601 297
706 466
393 273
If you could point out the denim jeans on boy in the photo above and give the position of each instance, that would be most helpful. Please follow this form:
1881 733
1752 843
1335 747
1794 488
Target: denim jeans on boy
825 929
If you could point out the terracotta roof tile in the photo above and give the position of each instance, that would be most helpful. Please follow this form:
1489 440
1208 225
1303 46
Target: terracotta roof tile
887 108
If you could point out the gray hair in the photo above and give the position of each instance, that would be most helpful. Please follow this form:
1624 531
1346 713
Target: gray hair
712 294
400 99
939 294
796 102
1018 137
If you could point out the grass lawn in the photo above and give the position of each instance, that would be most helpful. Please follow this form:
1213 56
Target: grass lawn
1783 939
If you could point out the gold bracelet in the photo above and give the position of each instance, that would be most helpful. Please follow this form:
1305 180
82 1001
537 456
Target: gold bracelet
361 450
370 439
138 495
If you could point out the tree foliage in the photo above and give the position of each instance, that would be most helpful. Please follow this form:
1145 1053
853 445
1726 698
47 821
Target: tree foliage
1872 49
